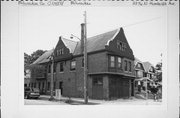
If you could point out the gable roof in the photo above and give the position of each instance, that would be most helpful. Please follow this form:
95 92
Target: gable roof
147 66
136 61
44 58
94 43
71 45
97 42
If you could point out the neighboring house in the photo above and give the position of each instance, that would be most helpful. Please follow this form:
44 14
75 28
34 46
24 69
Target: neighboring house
149 70
139 72
110 67
27 76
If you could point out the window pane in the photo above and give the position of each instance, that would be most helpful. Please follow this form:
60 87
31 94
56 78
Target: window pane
112 58
119 62
112 61
73 65
61 67
129 66
125 65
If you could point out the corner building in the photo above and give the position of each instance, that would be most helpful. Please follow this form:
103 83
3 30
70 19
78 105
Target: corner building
110 67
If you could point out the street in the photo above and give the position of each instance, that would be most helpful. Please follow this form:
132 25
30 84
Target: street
44 100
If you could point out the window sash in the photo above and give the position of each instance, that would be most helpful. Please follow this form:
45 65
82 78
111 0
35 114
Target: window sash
61 68
130 66
119 62
112 61
125 68
73 65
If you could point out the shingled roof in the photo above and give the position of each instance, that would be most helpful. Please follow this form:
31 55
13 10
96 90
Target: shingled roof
44 58
71 45
94 43
97 42
147 66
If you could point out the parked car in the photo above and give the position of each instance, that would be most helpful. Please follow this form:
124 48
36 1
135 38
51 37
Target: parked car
31 93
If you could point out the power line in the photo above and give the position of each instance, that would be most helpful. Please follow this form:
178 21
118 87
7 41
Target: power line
140 22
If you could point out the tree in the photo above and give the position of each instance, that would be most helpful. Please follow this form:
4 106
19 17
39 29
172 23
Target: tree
27 59
35 55
159 66
159 72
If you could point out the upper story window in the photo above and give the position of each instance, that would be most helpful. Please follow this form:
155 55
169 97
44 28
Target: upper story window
49 68
126 65
54 69
121 45
112 61
139 73
130 69
119 62
73 65
61 68
139 65
151 69
82 62
60 51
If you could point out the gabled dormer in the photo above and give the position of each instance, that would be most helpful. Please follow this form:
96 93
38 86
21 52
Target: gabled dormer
119 44
64 48
138 65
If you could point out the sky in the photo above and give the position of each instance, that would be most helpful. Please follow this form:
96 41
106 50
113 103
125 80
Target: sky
144 28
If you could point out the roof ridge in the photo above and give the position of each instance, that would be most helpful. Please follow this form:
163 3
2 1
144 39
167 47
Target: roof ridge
69 40
102 33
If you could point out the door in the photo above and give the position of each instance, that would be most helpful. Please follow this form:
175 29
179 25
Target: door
97 88
61 87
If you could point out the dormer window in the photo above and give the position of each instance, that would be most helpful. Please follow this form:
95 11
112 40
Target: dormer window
151 69
60 51
139 65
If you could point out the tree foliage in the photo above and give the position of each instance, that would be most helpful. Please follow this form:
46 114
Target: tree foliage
29 59
159 72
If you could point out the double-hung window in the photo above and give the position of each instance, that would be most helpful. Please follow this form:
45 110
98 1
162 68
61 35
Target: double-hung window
125 67
112 61
61 68
119 59
73 65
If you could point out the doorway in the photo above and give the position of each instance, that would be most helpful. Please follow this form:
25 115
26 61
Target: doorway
61 87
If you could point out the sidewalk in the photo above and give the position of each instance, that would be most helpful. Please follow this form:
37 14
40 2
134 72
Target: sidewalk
80 101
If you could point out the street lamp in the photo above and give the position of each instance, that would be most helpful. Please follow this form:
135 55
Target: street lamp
74 36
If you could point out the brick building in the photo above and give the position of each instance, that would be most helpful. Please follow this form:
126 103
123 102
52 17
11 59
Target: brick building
110 67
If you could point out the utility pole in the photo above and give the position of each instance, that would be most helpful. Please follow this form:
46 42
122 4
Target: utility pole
85 60
52 76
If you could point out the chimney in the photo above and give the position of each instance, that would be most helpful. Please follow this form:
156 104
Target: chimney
82 37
